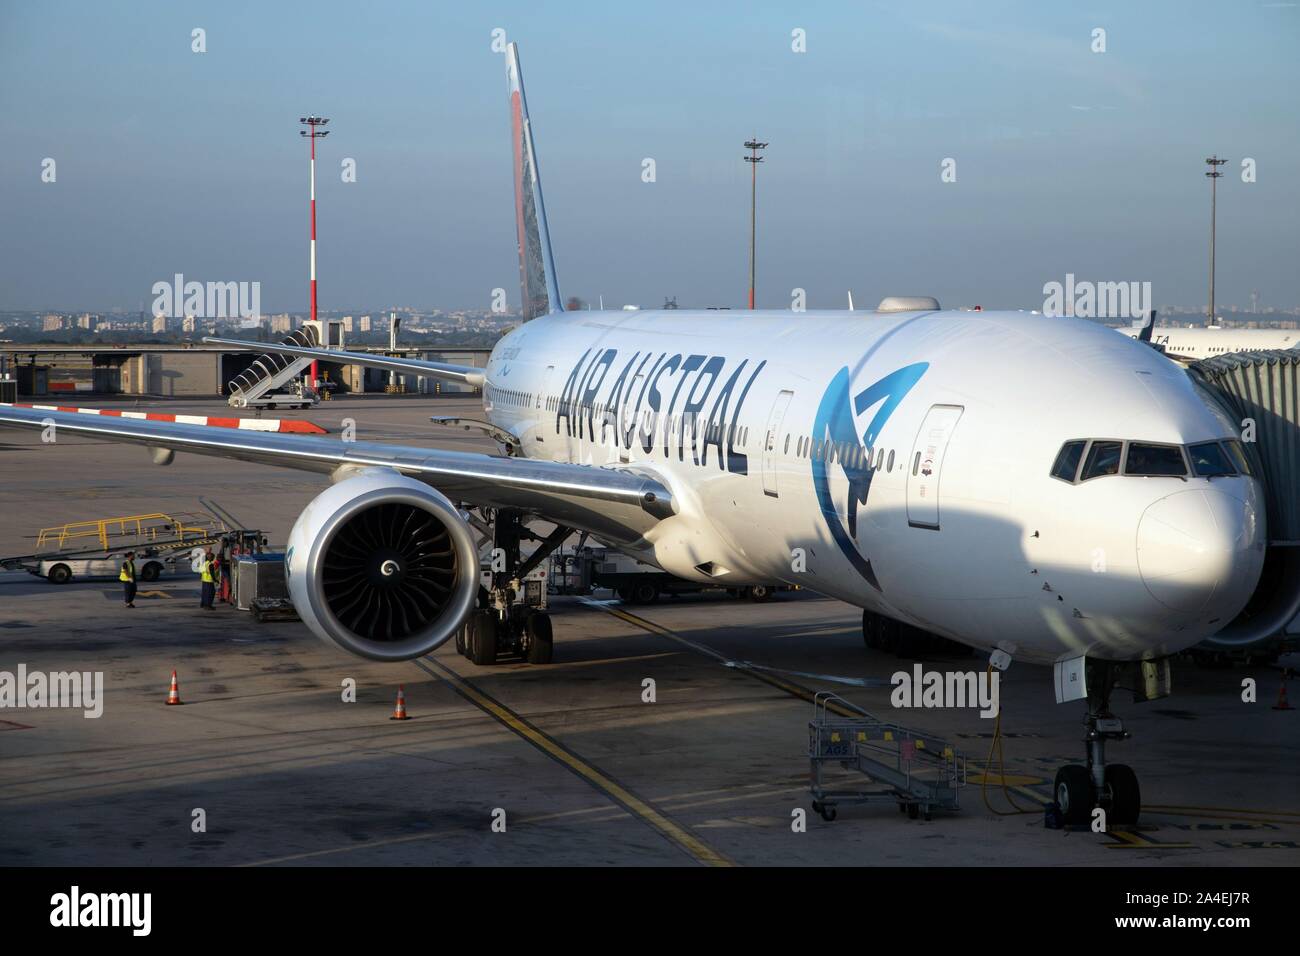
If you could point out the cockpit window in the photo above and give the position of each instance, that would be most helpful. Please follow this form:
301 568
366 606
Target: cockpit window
1209 460
1238 456
1103 459
1067 462
1155 460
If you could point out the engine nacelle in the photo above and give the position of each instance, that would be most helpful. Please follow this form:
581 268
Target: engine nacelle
382 566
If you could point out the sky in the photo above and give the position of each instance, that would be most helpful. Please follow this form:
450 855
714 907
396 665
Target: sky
1066 160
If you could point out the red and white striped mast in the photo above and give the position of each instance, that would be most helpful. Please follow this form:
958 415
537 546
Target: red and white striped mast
312 132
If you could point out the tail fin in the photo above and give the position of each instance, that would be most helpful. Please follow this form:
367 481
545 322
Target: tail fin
541 294
1147 327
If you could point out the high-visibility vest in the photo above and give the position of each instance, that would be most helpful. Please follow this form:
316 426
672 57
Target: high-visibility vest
128 571
206 573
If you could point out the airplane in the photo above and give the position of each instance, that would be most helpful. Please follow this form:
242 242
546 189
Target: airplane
1036 488
1191 345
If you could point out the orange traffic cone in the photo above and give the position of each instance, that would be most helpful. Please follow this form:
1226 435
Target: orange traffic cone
1282 702
174 695
400 712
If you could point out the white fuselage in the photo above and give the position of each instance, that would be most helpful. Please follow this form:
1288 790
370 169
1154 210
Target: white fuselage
902 463
1209 342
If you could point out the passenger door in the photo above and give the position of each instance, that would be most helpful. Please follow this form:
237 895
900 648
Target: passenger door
770 439
546 384
926 465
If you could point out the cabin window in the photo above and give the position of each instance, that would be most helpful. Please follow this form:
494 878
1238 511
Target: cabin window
1103 459
1155 461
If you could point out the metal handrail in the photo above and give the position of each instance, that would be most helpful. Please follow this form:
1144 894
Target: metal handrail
146 527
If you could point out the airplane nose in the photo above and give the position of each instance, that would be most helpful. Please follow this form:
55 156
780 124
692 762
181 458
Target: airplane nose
1192 544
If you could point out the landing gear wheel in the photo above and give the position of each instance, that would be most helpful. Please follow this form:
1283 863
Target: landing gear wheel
60 574
482 638
541 643
1125 796
913 811
890 635
827 813
1073 791
460 638
870 630
645 593
150 571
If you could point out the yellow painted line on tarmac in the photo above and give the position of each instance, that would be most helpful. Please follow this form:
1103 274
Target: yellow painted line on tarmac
1130 840
976 774
601 813
673 831
789 687
1227 813
980 779
1014 783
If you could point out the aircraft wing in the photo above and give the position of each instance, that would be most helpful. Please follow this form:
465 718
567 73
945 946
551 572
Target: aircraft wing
615 504
456 373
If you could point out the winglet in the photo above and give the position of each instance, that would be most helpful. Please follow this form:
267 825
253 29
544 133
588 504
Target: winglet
541 293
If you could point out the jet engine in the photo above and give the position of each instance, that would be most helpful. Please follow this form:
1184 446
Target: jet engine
382 566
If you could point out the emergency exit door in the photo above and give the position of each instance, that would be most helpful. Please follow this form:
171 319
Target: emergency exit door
926 465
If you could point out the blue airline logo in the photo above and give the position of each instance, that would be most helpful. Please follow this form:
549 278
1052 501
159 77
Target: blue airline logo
836 422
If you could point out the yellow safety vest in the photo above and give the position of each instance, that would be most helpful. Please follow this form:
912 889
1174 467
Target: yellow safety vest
128 571
206 573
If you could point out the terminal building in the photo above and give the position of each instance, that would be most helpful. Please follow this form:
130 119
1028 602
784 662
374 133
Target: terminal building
201 371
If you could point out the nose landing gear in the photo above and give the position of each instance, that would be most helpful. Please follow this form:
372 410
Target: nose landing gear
1081 788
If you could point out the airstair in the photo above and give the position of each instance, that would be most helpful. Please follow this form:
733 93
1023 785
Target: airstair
919 772
276 379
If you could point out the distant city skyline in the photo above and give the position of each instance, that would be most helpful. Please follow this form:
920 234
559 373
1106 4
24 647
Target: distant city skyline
1064 159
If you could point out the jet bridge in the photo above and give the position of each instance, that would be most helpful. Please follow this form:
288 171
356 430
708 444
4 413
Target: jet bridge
1261 392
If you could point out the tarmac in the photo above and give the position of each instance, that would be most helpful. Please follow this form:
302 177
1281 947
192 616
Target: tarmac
565 764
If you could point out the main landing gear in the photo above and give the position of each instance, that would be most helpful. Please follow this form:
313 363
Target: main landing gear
1081 788
881 633
511 617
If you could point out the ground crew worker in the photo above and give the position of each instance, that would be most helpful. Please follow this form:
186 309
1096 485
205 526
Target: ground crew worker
127 577
208 575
